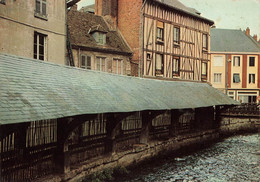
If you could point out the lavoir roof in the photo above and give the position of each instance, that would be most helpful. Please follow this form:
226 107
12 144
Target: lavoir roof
36 90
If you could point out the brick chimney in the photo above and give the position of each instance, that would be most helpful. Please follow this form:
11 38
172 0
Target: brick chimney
108 9
247 31
255 37
74 7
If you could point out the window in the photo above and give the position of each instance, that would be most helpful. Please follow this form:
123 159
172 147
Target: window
218 60
40 8
205 42
101 64
176 67
160 30
251 61
85 62
176 35
231 93
251 78
100 37
2 1
252 99
217 77
204 69
236 61
40 48
117 66
159 64
236 78
149 56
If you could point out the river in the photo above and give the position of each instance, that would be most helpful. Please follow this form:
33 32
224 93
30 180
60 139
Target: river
233 159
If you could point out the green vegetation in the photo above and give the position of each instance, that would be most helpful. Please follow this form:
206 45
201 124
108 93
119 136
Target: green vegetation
106 175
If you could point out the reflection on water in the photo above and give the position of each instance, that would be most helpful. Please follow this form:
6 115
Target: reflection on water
234 159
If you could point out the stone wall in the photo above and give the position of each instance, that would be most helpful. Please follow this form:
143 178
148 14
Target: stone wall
231 125
140 152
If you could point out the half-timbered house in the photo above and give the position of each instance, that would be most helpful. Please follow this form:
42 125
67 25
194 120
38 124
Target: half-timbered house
169 40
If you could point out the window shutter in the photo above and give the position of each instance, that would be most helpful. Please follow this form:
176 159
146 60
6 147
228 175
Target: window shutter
83 61
158 62
160 24
38 6
89 62
44 7
218 60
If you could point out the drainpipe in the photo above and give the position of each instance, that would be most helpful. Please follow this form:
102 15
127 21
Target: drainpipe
226 75
140 38
79 58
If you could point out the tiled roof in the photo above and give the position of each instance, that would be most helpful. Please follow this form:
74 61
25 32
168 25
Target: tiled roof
36 90
227 40
175 4
81 24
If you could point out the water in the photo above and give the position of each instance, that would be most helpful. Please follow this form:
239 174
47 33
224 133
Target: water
234 159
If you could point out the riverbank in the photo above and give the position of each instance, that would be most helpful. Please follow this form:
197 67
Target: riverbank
140 152
232 159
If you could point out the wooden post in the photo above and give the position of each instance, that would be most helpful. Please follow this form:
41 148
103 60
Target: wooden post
146 126
175 115
20 141
113 127
198 123
217 117
62 153
110 141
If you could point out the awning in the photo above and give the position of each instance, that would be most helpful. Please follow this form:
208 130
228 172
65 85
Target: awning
37 90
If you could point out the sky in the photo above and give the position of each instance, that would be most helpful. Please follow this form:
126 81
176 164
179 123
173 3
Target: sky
227 14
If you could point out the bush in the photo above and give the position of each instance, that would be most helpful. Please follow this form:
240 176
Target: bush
106 175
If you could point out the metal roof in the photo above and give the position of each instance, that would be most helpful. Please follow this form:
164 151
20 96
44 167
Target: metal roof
36 90
227 40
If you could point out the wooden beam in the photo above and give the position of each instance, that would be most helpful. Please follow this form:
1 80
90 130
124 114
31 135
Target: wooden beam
147 117
175 24
176 55
112 126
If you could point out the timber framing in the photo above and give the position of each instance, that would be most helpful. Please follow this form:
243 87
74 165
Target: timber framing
191 51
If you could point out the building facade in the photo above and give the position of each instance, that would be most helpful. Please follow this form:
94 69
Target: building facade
169 40
235 64
95 46
34 29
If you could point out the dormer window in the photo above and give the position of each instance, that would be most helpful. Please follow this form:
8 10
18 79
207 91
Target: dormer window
100 37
